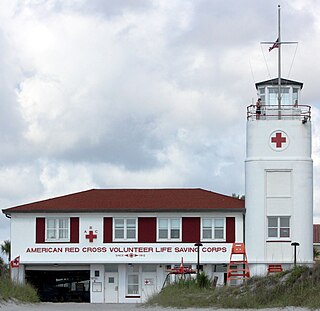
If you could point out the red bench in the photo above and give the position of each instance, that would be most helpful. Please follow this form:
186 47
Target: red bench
274 268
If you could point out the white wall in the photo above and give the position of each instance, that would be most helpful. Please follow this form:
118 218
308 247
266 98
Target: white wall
97 252
293 166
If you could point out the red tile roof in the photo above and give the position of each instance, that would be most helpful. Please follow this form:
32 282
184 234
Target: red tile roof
133 200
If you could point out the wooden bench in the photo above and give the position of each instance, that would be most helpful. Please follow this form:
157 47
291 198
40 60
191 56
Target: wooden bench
274 268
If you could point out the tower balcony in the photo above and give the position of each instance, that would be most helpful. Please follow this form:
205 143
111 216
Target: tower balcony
284 112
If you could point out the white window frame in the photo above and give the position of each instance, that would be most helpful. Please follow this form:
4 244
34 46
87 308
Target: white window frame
285 95
136 271
57 228
212 220
169 228
125 229
295 91
278 228
262 94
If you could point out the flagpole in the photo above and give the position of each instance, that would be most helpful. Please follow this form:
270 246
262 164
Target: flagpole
277 44
279 66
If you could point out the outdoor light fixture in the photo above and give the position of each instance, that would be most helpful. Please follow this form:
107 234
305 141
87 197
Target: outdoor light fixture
198 261
295 244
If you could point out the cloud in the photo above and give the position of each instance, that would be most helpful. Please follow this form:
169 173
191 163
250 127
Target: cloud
137 94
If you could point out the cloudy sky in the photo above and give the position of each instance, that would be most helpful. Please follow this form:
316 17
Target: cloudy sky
140 93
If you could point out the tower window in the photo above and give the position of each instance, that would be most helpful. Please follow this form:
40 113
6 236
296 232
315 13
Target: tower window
262 94
273 96
295 95
279 227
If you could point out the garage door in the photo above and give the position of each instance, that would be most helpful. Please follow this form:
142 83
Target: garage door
61 286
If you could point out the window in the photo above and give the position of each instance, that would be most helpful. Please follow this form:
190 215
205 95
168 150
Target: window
149 268
169 229
279 227
295 95
262 95
57 229
213 229
125 229
133 280
133 284
273 96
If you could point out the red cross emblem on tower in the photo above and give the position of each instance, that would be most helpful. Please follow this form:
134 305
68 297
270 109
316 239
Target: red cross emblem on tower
278 140
91 236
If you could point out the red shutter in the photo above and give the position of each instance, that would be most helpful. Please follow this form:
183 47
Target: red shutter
107 229
231 230
74 230
190 229
147 229
40 230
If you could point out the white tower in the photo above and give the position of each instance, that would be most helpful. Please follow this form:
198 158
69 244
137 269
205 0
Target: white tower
279 179
279 175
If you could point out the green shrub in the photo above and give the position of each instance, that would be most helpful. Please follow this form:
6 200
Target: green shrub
3 268
22 292
203 280
295 274
298 287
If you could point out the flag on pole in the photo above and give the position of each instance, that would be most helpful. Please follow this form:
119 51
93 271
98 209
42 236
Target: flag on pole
15 263
274 46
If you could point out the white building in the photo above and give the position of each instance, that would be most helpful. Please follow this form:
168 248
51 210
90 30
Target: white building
117 245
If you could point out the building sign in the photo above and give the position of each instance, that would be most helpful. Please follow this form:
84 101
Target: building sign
130 251
148 282
126 253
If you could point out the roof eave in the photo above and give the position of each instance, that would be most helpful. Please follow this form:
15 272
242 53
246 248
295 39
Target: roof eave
274 81
130 210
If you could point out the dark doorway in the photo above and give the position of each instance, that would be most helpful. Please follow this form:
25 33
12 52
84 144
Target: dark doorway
61 286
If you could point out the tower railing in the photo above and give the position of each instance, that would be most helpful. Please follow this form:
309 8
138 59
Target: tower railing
286 112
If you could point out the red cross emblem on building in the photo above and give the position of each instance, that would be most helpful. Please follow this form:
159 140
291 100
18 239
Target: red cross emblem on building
91 236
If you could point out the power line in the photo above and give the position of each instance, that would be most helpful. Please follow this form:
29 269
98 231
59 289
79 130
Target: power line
265 61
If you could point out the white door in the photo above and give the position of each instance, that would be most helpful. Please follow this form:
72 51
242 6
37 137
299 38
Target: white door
111 287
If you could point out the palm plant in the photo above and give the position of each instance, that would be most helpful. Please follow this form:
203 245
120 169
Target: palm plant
6 249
